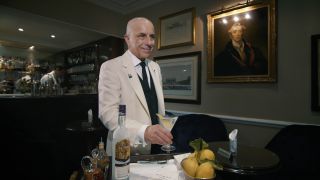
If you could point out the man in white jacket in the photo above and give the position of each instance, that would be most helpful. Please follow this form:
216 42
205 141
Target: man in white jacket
121 80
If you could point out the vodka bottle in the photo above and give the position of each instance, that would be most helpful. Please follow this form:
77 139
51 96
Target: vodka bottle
121 148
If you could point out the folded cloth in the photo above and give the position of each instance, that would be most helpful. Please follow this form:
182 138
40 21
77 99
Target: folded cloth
154 171
178 158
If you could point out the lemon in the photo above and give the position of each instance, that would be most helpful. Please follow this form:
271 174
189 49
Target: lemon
194 154
206 154
190 166
205 170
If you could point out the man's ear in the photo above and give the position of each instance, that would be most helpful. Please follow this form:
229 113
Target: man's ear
127 39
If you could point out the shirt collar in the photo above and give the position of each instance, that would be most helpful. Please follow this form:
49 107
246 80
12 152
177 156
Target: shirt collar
238 45
135 60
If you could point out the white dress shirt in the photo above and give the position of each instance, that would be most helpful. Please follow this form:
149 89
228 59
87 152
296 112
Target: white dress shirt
49 77
136 62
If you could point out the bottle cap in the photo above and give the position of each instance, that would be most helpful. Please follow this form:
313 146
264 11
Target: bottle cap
122 108
101 144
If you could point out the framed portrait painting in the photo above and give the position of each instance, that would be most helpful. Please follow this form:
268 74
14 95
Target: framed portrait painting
242 44
177 29
181 79
315 72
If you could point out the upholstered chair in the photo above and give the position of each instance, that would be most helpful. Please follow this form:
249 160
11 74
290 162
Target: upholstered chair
192 126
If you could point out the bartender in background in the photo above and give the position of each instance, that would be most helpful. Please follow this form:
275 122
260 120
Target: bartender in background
55 77
23 85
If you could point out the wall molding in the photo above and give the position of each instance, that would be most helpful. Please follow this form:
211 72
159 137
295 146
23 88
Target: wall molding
245 120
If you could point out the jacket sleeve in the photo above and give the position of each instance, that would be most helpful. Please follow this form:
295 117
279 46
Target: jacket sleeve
109 95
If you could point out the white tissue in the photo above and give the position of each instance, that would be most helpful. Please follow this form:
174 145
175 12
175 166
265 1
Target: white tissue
233 142
233 134
178 158
90 116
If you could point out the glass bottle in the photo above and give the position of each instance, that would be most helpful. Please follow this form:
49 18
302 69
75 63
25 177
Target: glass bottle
101 157
90 169
121 147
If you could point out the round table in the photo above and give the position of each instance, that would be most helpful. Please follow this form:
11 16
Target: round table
248 160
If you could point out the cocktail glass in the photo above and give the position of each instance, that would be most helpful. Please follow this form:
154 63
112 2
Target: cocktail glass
167 122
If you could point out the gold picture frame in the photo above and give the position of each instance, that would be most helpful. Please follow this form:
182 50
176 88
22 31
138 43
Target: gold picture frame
250 27
177 29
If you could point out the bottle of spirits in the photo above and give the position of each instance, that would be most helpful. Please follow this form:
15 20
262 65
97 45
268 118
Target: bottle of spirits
101 157
121 147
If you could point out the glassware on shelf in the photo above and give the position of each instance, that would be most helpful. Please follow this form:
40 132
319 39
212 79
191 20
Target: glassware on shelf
35 89
81 68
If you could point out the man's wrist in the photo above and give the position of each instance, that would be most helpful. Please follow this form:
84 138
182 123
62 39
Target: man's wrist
146 134
141 134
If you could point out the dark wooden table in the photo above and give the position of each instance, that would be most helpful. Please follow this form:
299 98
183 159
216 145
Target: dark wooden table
248 160
151 157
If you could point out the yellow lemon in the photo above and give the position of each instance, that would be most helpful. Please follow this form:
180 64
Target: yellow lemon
206 154
194 154
205 170
190 166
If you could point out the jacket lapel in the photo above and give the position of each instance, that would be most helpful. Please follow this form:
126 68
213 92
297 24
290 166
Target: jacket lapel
134 81
158 86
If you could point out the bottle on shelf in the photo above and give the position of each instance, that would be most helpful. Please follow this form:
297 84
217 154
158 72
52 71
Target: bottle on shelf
101 157
121 147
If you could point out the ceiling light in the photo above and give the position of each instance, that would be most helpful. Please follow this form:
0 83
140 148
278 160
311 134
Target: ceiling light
224 21
52 36
20 29
31 47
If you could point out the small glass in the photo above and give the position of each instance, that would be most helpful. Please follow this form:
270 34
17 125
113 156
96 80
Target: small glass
88 165
90 170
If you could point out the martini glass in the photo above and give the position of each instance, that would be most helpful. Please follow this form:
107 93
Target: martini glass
167 122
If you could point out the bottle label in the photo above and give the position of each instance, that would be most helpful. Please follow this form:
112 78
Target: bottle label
122 158
122 171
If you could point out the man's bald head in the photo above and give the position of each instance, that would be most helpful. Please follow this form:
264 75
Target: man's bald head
133 23
140 37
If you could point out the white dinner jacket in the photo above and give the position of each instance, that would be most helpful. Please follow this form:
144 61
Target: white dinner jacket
119 83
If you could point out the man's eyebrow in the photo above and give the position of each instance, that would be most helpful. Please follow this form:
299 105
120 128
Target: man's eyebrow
145 34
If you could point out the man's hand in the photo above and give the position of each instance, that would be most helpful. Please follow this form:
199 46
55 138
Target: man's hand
156 134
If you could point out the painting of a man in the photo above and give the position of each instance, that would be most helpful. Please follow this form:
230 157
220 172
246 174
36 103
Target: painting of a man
239 57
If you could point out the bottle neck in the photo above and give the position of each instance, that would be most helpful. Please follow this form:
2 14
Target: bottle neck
122 115
122 120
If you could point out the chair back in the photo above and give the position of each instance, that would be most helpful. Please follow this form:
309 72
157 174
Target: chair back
298 148
192 126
